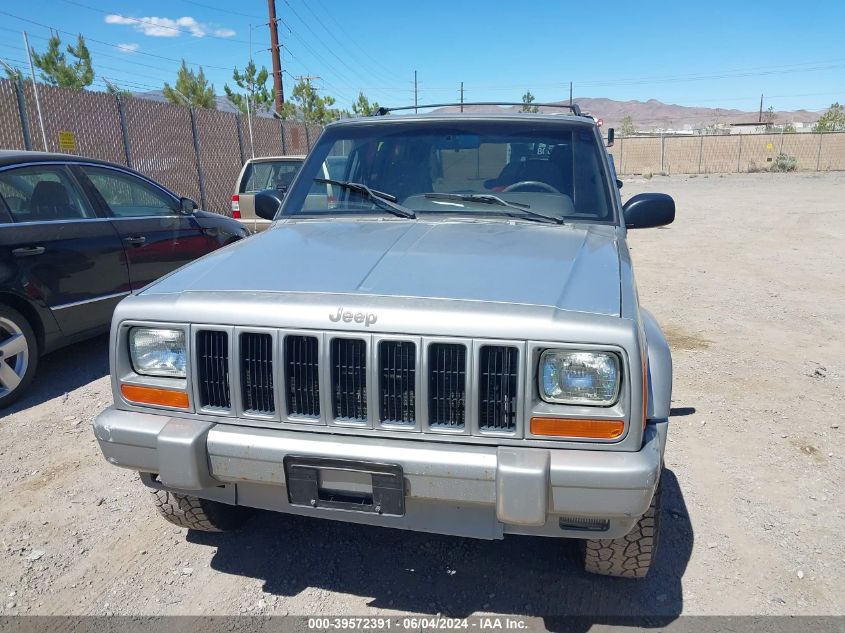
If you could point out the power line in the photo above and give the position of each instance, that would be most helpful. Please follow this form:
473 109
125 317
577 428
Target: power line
155 24
378 75
227 10
354 42
111 44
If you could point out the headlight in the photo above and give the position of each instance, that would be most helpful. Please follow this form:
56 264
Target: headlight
157 352
590 378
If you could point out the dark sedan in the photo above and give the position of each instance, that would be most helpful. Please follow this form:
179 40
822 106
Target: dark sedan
76 236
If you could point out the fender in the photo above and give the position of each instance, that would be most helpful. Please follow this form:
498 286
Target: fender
659 368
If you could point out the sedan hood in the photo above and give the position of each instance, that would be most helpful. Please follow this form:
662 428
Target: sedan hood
571 267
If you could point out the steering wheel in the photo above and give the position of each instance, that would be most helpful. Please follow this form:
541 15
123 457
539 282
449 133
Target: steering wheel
530 185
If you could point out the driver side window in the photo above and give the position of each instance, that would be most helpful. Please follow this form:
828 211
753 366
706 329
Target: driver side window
128 196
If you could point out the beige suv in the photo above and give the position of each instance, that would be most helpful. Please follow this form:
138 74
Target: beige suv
258 174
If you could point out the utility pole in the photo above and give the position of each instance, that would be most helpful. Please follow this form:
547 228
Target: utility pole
760 119
462 96
570 93
278 88
35 90
415 92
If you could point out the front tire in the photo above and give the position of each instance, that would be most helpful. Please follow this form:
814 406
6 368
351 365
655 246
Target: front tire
628 556
18 355
198 514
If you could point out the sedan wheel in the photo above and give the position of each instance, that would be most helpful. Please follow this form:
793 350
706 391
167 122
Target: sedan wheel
18 355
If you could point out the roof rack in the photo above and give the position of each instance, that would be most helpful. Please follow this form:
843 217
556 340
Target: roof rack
572 107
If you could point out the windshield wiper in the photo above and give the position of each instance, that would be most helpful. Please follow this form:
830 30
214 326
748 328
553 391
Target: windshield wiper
384 201
486 198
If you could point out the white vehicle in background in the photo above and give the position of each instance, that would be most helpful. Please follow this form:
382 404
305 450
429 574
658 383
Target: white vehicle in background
258 174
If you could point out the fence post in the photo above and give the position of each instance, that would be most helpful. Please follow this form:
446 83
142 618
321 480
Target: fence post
819 156
199 162
284 143
307 139
700 152
621 156
662 152
739 153
121 115
240 136
27 138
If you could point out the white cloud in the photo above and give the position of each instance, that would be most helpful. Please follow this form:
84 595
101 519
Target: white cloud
129 48
168 27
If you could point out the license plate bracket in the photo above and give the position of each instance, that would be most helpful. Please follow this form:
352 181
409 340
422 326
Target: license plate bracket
305 477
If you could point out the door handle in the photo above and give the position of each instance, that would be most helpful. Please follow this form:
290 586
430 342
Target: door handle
28 251
135 240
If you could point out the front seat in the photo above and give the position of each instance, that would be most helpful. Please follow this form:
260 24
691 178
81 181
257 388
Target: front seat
50 201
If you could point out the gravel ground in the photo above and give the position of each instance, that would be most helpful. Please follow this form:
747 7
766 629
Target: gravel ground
748 284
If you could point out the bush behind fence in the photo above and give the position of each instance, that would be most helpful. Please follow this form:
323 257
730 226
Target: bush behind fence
742 153
195 152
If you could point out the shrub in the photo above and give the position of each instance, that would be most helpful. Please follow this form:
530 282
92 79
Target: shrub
784 163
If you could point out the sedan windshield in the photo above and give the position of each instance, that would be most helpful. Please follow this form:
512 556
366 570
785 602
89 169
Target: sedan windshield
506 168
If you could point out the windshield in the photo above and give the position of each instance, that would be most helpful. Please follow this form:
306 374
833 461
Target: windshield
268 174
548 168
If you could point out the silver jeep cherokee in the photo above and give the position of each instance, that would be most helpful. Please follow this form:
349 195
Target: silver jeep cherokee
451 342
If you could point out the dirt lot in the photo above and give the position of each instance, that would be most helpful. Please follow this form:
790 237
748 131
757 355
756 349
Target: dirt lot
748 284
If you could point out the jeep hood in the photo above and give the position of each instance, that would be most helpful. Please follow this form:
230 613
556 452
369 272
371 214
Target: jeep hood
570 267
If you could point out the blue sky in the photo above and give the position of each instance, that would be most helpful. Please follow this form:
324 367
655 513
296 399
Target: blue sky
714 54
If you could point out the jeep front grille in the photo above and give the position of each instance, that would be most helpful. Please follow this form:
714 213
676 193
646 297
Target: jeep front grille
397 382
497 382
447 374
349 379
213 366
257 373
302 376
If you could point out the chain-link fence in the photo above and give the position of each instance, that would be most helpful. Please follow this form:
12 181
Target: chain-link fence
195 152
710 154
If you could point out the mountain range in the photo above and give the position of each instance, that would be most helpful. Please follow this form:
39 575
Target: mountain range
646 115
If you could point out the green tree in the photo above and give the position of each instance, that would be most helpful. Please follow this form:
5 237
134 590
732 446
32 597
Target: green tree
789 129
363 107
117 91
314 108
194 87
253 84
626 127
55 68
527 100
831 121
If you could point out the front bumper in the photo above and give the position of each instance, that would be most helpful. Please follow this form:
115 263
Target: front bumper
460 489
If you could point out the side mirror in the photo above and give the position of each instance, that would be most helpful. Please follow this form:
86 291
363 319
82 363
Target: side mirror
646 210
611 134
268 203
187 206
619 183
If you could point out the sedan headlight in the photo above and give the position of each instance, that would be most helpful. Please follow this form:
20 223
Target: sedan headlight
156 352
590 378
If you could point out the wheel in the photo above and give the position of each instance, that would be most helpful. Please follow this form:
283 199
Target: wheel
18 355
198 514
628 556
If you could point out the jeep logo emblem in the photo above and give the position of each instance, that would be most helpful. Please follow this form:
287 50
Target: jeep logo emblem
367 318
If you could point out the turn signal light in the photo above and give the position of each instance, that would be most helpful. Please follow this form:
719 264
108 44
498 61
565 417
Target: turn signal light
590 429
156 396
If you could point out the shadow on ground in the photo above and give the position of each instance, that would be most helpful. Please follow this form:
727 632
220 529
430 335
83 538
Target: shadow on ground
429 574
65 370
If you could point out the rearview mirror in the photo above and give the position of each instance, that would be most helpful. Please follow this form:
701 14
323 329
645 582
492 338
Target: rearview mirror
187 206
646 210
268 203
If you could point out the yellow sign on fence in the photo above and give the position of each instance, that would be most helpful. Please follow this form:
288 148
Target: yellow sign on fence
67 141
